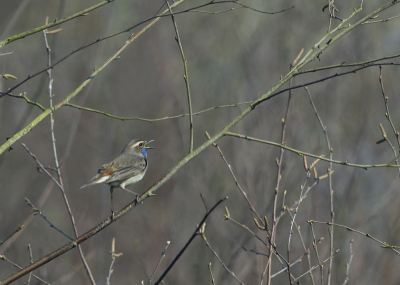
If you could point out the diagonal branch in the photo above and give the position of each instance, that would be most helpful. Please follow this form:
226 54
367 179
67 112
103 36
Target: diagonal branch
55 23
199 226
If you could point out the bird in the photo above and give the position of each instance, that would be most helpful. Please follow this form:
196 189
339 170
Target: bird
126 169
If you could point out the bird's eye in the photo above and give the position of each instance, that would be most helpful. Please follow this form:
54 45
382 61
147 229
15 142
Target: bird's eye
140 144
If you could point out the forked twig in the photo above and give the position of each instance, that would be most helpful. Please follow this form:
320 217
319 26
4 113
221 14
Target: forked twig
189 241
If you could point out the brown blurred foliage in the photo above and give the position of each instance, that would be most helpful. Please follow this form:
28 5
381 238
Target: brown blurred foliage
232 57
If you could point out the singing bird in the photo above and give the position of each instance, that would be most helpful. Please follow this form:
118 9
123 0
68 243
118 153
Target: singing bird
126 169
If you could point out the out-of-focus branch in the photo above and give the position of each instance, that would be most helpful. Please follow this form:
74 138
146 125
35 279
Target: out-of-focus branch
21 226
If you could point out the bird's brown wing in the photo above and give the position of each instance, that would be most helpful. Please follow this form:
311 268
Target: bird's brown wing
123 167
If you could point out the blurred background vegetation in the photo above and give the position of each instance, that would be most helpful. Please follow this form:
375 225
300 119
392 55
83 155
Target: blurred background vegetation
232 57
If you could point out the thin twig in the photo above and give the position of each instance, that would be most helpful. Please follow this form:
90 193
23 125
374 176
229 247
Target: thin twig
152 120
201 232
330 15
361 63
113 257
254 251
236 181
212 277
287 209
57 166
387 114
31 261
315 245
23 96
36 210
346 279
379 21
314 82
306 251
3 257
40 165
247 229
314 267
301 153
281 259
159 261
293 221
204 202
330 170
278 180
185 76
383 244
189 241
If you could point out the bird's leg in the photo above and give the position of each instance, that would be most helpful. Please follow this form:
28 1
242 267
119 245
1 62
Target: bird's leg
112 209
123 187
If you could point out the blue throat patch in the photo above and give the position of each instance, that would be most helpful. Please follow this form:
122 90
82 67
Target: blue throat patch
144 152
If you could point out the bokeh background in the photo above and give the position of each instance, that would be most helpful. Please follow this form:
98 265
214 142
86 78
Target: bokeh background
232 57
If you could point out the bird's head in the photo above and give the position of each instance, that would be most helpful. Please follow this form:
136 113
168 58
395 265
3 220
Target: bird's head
137 147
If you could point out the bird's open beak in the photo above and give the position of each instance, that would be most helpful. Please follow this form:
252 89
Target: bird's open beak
149 147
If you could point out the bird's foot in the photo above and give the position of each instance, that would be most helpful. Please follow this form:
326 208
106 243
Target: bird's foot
112 216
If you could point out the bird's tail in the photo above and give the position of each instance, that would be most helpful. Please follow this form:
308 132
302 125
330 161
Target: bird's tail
93 181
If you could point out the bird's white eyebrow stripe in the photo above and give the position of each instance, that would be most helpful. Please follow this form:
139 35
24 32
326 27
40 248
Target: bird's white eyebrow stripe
136 144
